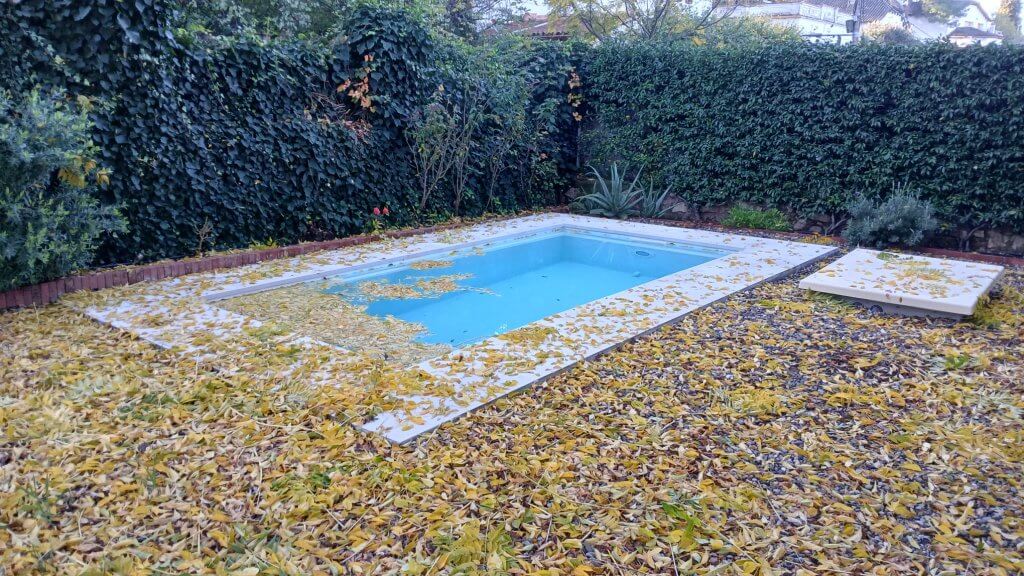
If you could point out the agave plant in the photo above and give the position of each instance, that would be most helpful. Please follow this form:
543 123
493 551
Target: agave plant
652 202
612 198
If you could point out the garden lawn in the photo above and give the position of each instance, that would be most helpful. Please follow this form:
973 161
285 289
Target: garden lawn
775 432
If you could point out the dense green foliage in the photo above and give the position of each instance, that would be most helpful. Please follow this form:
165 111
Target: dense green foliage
225 141
902 219
746 217
806 128
50 219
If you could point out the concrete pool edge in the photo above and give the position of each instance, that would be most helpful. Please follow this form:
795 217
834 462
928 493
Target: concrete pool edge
498 366
403 437
243 288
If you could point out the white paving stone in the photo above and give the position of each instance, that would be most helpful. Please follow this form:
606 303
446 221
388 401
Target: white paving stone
485 371
917 284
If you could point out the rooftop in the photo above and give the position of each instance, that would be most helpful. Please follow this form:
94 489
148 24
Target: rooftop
971 32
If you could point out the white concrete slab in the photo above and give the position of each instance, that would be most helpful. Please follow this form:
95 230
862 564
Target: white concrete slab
918 283
182 314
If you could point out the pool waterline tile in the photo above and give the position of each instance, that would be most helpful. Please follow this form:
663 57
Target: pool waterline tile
487 370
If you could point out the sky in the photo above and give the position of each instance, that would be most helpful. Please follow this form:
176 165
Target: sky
539 7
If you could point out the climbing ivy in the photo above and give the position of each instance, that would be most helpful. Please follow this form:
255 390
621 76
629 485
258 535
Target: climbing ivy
221 142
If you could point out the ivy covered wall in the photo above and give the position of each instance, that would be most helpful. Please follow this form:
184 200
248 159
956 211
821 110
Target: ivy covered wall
806 128
225 142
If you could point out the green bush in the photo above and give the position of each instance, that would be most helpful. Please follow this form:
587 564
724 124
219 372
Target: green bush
50 220
797 126
902 219
745 217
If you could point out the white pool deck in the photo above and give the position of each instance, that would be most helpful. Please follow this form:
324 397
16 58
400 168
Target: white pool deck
910 284
181 314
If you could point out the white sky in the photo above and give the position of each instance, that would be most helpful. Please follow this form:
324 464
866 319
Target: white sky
539 7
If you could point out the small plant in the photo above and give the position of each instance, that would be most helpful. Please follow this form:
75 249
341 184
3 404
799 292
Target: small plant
745 217
952 362
378 222
263 244
204 236
902 219
652 202
612 197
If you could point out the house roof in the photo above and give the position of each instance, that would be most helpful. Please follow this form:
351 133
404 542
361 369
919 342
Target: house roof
537 26
872 10
971 32
839 4
981 9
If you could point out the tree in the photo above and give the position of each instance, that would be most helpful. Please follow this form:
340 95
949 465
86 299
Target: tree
468 117
1008 21
943 10
642 19
437 136
890 34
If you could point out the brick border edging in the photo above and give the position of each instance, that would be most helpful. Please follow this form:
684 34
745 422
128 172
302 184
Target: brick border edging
926 250
975 256
50 291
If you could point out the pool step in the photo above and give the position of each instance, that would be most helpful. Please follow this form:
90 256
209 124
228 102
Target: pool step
906 284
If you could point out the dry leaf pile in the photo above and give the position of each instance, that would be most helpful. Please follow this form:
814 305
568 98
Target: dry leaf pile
773 433
307 310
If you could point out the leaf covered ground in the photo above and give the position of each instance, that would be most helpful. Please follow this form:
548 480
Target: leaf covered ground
776 432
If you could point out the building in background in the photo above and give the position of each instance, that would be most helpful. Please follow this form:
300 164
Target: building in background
820 21
969 36
830 21
546 26
815 20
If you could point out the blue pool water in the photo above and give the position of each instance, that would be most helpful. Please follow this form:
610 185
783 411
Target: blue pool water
515 283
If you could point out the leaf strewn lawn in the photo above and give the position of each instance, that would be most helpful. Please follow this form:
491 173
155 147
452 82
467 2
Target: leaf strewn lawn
774 433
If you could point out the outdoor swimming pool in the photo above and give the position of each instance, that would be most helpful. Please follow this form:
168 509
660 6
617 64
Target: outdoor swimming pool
452 320
474 293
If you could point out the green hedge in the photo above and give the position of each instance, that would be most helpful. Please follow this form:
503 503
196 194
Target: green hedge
250 139
806 128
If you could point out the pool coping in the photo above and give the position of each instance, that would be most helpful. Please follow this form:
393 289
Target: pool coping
243 288
483 372
889 279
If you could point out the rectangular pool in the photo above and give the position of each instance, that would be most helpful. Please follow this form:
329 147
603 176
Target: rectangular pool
485 290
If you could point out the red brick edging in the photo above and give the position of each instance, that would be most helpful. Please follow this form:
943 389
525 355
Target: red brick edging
976 256
798 236
48 292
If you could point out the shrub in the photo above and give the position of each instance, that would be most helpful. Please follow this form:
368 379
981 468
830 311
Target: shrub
613 197
652 202
51 222
746 217
798 126
902 219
